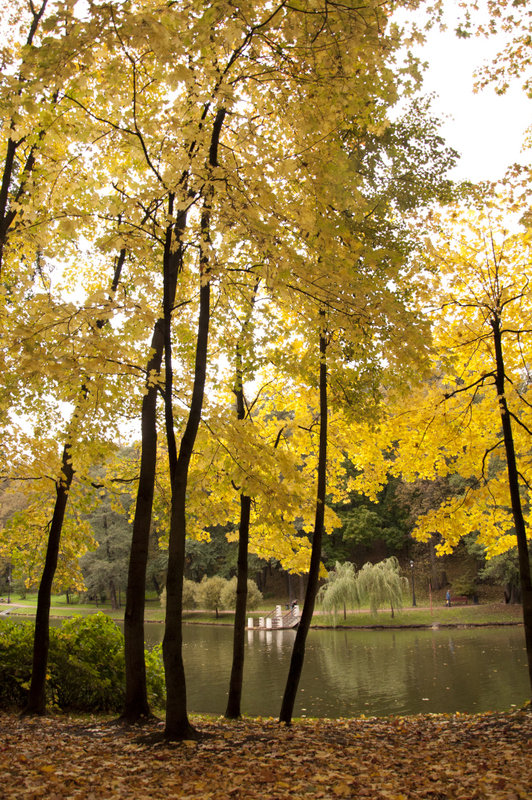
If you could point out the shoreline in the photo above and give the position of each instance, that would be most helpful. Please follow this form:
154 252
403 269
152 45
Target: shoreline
317 626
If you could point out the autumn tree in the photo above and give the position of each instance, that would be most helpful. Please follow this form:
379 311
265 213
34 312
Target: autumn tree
490 297
24 542
66 380
132 118
472 417
292 99
45 201
21 136
241 589
510 21
198 131
359 300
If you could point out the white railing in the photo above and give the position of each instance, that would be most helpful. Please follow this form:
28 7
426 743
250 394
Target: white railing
277 619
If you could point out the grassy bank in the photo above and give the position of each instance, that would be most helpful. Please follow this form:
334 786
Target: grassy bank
486 614
439 615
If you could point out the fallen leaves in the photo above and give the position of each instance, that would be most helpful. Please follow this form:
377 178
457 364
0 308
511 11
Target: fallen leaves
434 757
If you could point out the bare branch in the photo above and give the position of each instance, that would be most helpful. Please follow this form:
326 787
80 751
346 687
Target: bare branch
479 382
486 454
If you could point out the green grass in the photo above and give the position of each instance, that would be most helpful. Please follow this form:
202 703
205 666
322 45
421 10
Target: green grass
59 607
485 613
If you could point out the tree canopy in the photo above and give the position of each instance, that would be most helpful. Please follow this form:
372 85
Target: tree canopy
206 223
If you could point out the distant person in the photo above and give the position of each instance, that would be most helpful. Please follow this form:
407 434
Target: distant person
448 598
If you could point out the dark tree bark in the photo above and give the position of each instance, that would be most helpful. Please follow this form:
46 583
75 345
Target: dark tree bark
237 668
7 214
112 588
512 595
6 217
136 696
136 706
37 695
298 652
177 724
513 483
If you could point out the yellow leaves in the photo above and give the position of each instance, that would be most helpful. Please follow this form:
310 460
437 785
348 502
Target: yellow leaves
24 539
451 424
464 756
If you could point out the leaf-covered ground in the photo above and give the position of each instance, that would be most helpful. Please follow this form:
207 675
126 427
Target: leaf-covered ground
431 757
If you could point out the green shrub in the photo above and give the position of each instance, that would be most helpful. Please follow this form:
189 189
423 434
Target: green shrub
86 670
189 595
16 653
228 596
463 586
209 593
155 677
86 664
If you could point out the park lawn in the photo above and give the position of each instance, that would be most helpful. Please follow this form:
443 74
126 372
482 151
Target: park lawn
485 614
439 615
423 757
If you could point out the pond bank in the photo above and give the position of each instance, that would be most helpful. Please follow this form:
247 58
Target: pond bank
415 626
190 620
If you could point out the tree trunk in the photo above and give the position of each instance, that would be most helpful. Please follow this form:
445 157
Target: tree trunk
111 585
298 652
37 695
136 706
436 579
177 724
237 669
513 483
289 587
7 215
136 695
112 595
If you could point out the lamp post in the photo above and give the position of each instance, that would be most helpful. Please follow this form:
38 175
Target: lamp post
9 585
413 584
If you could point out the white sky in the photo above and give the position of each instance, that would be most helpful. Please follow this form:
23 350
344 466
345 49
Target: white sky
487 129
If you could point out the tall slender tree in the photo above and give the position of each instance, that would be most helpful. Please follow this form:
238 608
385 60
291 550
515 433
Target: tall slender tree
177 723
233 708
36 703
472 418
298 651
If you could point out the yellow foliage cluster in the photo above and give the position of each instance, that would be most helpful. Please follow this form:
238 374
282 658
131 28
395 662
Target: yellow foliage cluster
478 272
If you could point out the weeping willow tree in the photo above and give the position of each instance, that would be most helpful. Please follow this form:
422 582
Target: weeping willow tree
382 584
340 590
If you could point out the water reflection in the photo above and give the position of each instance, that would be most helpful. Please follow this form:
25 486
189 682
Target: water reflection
347 673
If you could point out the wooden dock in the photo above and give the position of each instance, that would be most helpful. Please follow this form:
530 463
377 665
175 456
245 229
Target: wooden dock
277 620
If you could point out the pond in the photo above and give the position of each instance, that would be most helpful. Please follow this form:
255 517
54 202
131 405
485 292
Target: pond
353 672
